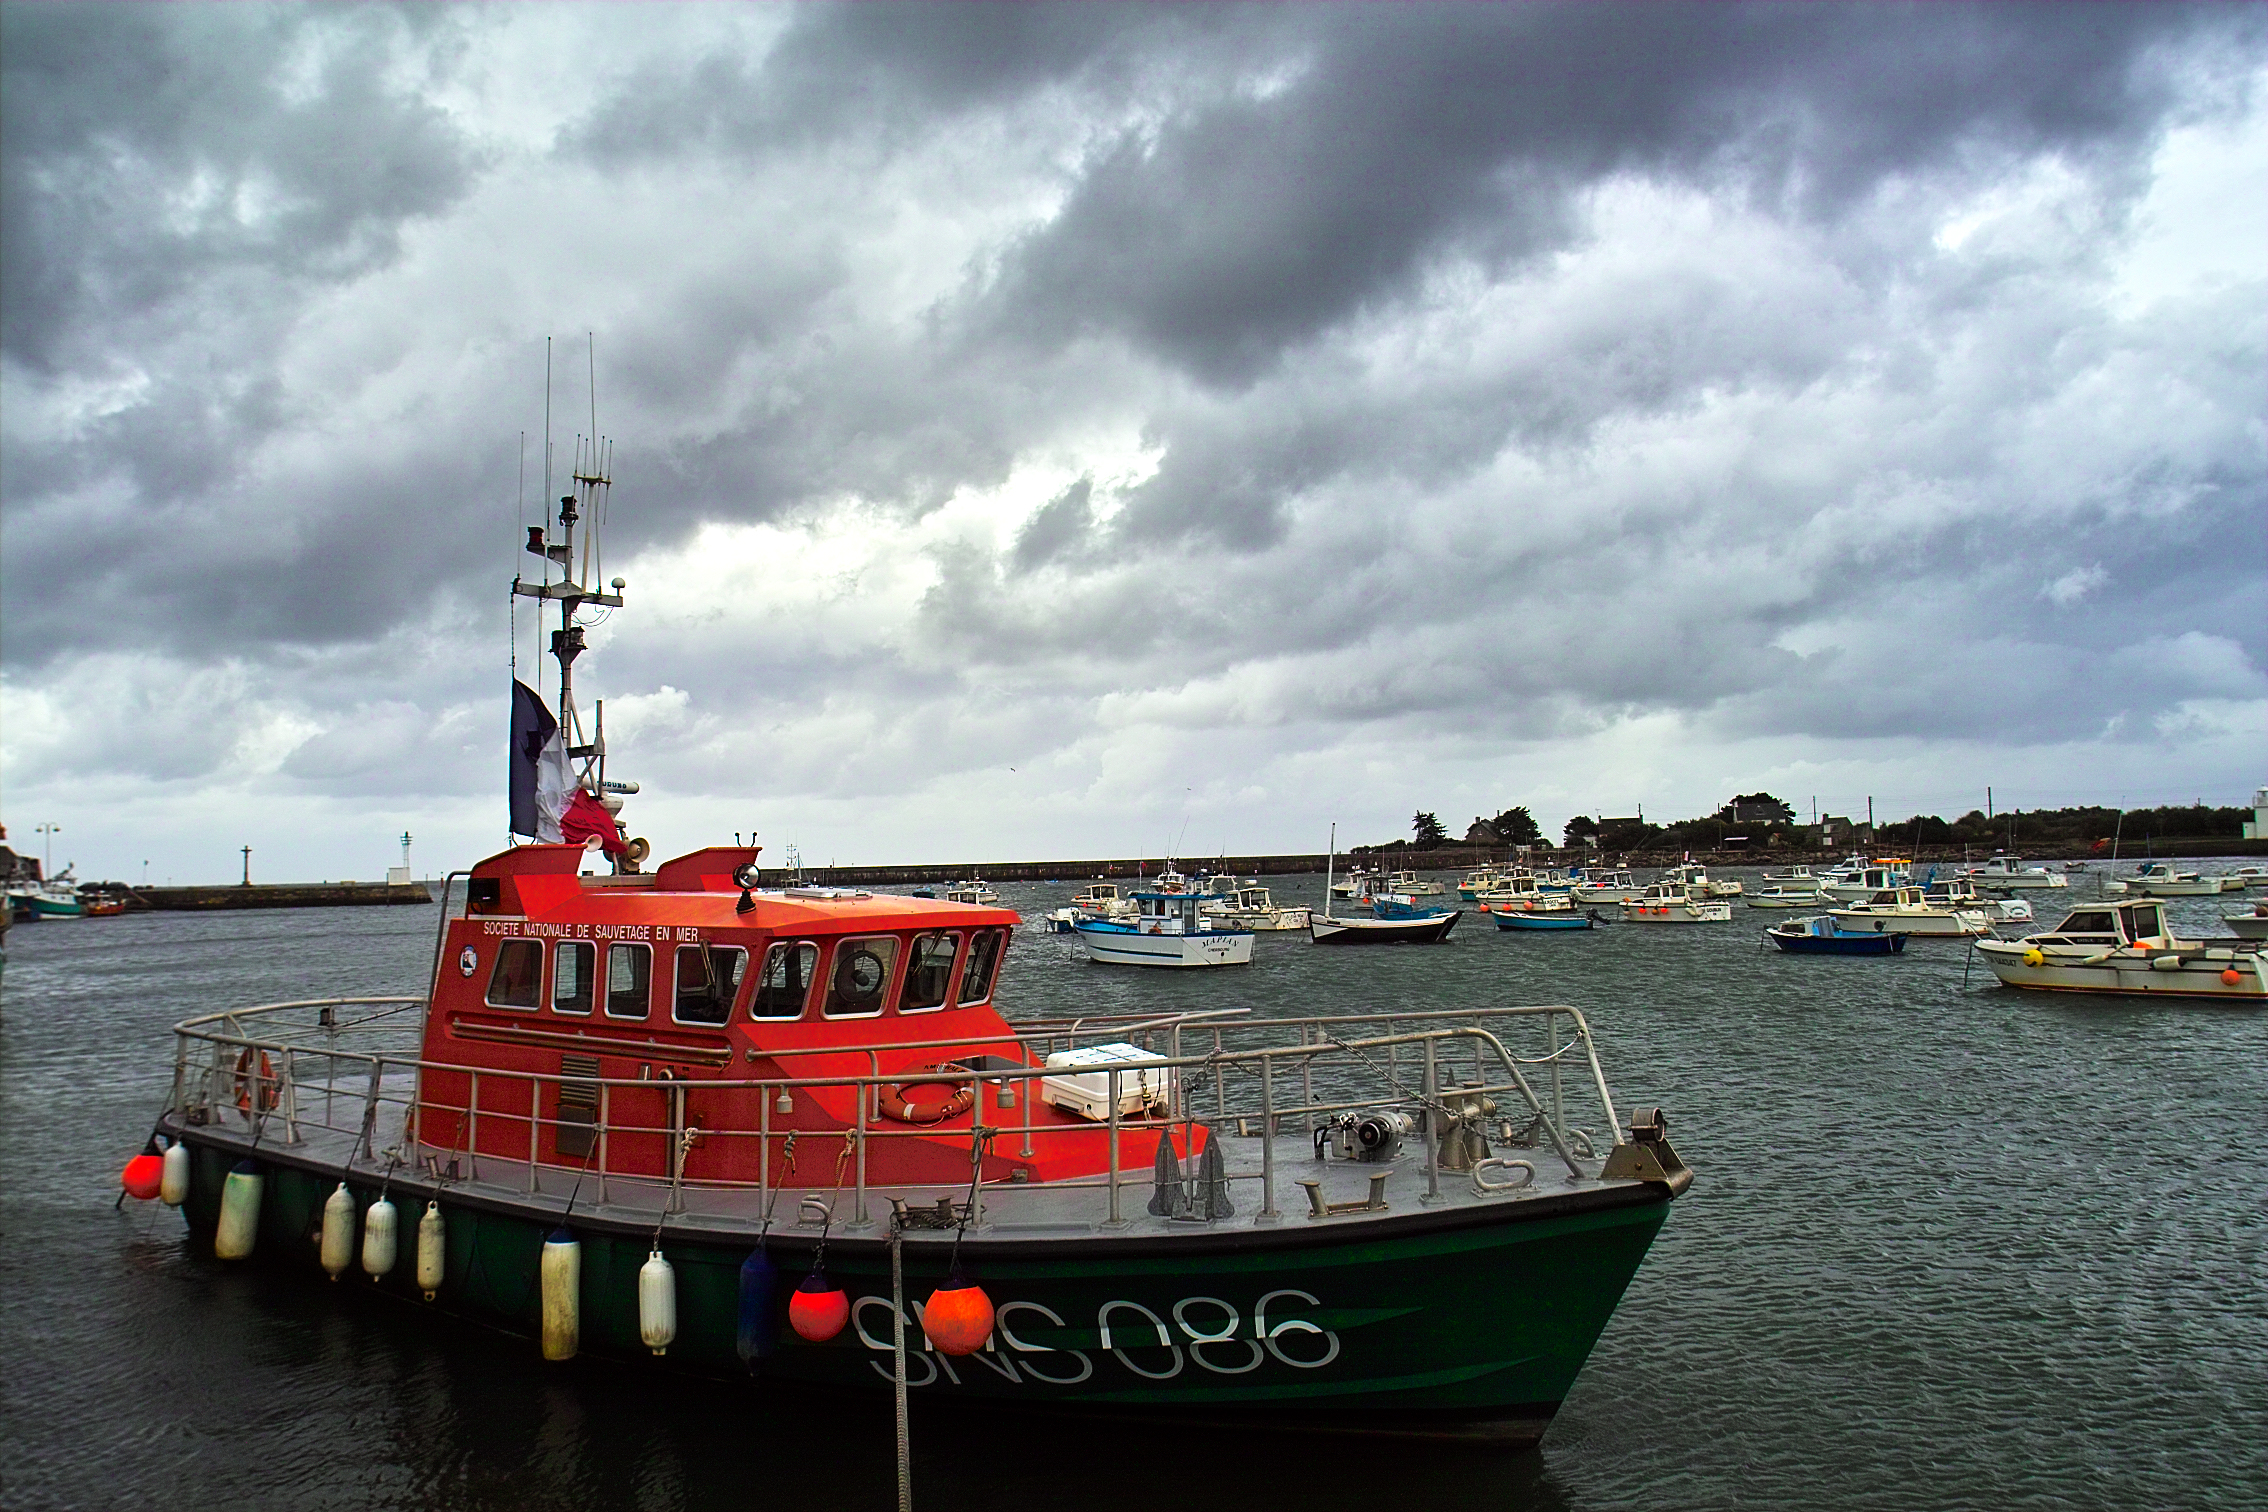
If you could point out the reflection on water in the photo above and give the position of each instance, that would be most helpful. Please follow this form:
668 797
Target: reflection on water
1945 1247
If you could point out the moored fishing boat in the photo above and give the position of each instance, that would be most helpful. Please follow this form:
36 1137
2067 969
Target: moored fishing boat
1416 886
1168 929
1253 908
2160 879
1613 884
1823 936
1561 919
975 890
1668 903
1402 924
2127 949
1787 895
1904 910
2249 926
1863 882
2007 872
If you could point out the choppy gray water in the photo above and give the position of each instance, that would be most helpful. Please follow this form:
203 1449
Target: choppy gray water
1947 1247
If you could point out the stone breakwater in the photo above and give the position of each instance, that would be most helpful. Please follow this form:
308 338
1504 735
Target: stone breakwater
273 895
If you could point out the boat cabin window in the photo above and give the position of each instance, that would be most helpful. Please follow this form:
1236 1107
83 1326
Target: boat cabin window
573 965
978 969
2087 923
861 976
929 973
708 978
629 980
2141 923
517 979
783 990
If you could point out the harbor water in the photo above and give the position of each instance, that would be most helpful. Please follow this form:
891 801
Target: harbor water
1948 1245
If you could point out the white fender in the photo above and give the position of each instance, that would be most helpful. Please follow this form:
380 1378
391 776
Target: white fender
338 1231
173 1176
562 1273
379 1237
239 1212
657 1302
432 1250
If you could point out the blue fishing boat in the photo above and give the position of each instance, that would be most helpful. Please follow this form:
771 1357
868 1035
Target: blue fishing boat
1823 936
1565 918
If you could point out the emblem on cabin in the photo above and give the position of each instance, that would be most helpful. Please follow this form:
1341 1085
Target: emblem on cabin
468 960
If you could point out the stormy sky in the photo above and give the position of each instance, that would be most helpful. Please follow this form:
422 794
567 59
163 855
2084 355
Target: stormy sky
1104 430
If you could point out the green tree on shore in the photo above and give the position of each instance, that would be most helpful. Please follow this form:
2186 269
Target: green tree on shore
1429 833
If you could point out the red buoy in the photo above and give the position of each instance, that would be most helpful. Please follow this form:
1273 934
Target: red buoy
818 1309
2231 976
958 1316
143 1175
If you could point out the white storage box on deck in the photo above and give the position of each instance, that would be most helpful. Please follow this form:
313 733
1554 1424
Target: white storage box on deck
1086 1091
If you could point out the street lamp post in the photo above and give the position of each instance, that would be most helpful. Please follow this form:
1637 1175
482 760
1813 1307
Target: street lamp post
47 862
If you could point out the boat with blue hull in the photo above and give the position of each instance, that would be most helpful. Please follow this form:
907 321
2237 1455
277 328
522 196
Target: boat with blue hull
1823 936
1564 919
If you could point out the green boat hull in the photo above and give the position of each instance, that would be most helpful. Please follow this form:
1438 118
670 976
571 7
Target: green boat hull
1437 1324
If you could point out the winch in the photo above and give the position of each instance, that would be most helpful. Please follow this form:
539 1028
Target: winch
1376 1135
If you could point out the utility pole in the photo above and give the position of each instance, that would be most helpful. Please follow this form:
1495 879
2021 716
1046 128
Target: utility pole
47 862
248 866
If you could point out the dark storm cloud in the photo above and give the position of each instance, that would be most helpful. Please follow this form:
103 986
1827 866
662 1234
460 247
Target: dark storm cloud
1244 225
1256 238
150 149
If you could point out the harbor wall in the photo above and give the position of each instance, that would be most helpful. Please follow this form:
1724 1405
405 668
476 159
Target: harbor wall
1466 857
273 895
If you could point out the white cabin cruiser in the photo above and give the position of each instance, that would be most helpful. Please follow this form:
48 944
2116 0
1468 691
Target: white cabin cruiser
1903 910
1802 894
2251 926
975 890
2005 872
1669 903
1410 882
1693 874
1958 892
2159 879
1525 893
2126 949
1252 908
1608 885
1874 877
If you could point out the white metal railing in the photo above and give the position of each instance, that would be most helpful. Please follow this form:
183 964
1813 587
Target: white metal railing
319 1064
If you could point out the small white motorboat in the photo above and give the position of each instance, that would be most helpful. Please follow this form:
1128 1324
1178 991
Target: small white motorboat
2249 926
1902 910
1866 881
975 890
1804 894
1252 908
1690 873
2005 873
2246 876
2126 949
1959 893
2159 879
1608 885
1668 903
1413 884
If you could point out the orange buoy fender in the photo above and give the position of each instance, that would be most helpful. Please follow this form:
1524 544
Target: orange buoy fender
2231 976
143 1177
818 1309
958 1316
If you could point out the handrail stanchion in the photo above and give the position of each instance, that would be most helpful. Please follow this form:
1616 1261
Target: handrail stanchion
1268 1212
605 1121
858 1210
1114 1218
1432 1126
472 1126
370 1106
1558 1107
763 1149
1030 1089
1220 1080
535 1128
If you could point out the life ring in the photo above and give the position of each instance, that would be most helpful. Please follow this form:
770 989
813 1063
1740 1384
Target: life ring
894 1103
246 1082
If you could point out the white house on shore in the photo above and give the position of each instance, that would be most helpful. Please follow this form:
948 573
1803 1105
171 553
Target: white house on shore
2257 827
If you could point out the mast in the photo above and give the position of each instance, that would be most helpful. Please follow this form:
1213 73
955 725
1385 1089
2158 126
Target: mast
586 505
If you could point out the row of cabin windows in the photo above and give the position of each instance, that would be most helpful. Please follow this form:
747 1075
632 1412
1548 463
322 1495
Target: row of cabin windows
707 978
